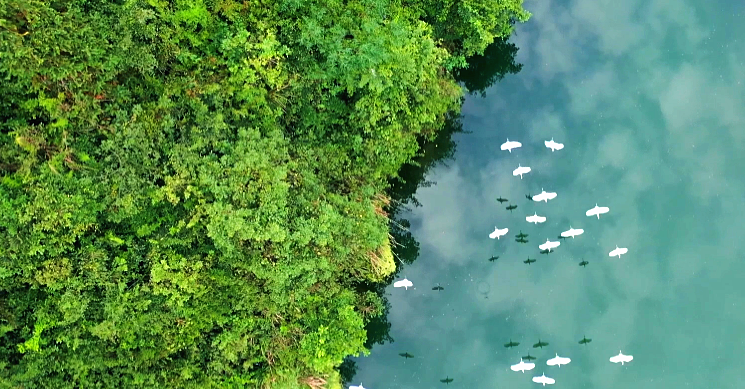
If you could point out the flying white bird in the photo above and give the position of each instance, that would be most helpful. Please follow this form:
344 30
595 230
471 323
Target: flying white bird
520 171
357 387
553 145
558 361
597 211
618 251
522 366
544 196
405 283
621 358
544 380
549 245
535 219
572 232
497 233
511 145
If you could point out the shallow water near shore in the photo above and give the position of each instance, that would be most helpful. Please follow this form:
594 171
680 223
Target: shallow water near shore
648 99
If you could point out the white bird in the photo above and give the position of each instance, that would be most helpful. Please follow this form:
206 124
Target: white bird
597 211
558 361
522 366
544 380
618 251
510 145
520 171
549 245
621 358
357 387
544 196
497 233
535 219
553 145
572 232
405 283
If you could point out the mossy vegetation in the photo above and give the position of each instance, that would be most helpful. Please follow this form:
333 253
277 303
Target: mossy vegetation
191 192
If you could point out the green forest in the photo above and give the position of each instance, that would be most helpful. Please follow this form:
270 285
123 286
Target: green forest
202 193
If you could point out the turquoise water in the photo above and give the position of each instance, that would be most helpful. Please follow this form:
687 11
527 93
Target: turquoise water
648 98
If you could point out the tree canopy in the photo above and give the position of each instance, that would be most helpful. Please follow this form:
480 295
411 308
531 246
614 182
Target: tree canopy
192 192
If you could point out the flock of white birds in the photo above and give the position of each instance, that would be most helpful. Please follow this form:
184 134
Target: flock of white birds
548 245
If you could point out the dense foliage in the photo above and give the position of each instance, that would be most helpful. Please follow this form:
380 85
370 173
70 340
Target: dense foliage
191 192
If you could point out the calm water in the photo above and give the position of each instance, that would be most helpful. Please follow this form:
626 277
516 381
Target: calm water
648 98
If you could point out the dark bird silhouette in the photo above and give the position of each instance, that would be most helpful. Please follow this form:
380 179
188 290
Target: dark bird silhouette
494 258
583 263
529 261
501 200
447 380
529 197
521 240
540 344
521 235
511 207
585 340
529 358
562 237
438 288
511 344
406 355
545 252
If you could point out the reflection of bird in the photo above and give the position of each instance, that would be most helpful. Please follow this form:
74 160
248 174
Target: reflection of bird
511 207
583 263
509 145
561 237
529 358
540 344
558 361
618 251
597 211
406 355
521 240
621 358
511 344
438 288
585 340
542 379
529 261
447 380
494 258
545 252
529 197
501 200
521 235
522 366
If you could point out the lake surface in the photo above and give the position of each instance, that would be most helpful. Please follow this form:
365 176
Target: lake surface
648 98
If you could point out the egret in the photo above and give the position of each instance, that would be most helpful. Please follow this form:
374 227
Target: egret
572 232
549 245
597 211
558 361
357 387
520 171
535 219
544 380
551 144
522 366
497 233
621 358
544 196
618 251
509 145
403 283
